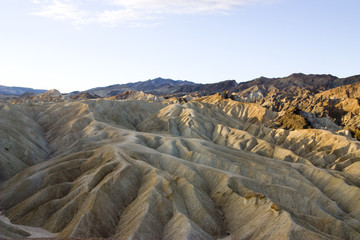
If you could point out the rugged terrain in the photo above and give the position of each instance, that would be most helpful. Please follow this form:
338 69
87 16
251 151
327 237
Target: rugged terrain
305 97
144 166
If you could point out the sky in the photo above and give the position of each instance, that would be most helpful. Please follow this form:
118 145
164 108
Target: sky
81 44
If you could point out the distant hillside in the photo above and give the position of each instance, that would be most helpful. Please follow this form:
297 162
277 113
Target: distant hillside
161 86
4 90
157 85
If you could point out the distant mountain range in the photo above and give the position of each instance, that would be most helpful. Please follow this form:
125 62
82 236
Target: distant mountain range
247 91
168 87
161 86
157 85
4 90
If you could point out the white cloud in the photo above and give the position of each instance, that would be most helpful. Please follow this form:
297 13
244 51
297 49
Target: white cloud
184 6
136 12
64 10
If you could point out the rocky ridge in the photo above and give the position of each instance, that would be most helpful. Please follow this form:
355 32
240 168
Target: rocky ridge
323 98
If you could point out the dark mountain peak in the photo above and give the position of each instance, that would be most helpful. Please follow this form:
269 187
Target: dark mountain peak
157 85
154 86
263 78
158 80
161 82
297 75
310 76
225 85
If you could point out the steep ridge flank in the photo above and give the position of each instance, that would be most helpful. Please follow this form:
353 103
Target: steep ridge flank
347 91
344 107
22 142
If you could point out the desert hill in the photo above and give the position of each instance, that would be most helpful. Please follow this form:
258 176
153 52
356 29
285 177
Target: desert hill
141 166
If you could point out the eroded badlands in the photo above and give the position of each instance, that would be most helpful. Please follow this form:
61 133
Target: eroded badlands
210 168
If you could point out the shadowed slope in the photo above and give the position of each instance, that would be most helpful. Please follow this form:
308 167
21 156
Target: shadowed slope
22 141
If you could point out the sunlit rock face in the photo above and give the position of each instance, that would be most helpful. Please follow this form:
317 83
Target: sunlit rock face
207 168
324 101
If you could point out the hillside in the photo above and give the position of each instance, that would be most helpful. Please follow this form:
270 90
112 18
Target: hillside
267 159
313 82
210 168
157 85
305 98
165 87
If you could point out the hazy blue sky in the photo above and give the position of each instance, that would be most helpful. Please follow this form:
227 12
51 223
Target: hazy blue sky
79 44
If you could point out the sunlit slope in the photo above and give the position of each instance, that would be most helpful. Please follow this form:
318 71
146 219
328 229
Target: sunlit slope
201 170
